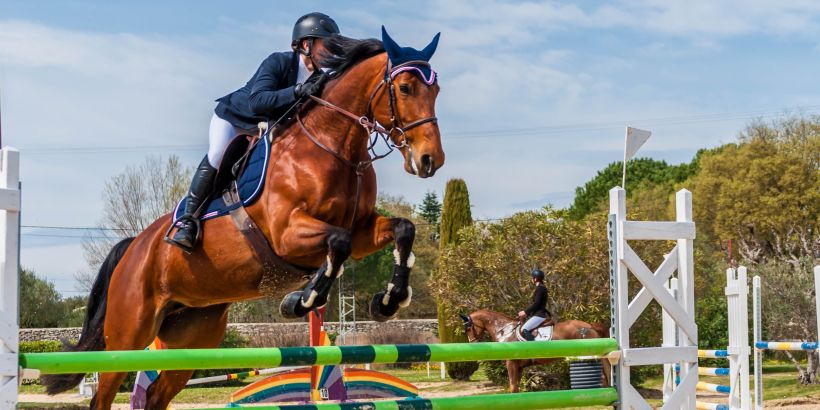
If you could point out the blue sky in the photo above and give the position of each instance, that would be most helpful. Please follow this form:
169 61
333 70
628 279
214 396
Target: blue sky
535 95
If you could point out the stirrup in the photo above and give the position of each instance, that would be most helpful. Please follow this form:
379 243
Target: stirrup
191 219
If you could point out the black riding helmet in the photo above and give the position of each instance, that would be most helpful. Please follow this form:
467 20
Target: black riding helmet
312 25
538 274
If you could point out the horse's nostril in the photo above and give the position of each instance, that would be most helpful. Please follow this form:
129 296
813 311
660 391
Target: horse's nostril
427 162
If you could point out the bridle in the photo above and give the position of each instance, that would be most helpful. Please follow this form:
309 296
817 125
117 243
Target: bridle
373 129
470 335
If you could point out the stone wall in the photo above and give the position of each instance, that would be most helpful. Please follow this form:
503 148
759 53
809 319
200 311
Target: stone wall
264 334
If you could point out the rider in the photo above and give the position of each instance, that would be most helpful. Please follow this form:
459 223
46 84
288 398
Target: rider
281 80
537 312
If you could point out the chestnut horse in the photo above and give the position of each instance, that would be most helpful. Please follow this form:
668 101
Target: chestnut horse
317 209
501 328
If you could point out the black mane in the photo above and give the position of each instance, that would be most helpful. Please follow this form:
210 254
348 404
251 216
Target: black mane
344 52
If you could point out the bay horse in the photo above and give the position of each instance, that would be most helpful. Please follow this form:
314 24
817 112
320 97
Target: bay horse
317 209
502 328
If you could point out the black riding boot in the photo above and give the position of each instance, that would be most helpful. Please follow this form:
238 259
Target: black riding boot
188 224
529 336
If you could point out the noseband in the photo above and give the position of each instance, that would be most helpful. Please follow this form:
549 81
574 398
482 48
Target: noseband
373 129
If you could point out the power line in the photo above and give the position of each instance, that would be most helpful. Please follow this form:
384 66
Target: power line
79 228
538 130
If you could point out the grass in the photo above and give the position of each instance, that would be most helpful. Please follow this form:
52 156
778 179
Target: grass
780 382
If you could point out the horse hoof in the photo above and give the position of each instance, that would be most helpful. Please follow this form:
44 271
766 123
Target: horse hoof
381 312
291 306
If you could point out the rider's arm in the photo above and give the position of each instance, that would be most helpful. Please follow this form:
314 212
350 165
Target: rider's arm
266 98
539 299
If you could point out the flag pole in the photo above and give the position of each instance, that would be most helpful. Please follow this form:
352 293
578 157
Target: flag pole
626 139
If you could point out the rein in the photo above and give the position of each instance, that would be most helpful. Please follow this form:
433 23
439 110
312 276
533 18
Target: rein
371 128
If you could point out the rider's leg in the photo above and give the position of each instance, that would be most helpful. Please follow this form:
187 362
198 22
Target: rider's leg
220 134
529 326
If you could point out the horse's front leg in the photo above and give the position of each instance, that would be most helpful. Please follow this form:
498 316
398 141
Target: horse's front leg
303 236
378 233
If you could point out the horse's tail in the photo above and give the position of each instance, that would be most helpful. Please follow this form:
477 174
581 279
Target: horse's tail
92 337
601 329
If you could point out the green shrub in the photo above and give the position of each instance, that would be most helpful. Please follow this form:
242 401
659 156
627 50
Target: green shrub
42 346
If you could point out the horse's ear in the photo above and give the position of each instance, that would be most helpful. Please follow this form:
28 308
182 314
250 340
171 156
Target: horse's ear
390 46
431 48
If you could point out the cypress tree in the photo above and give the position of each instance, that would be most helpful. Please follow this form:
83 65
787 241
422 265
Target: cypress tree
455 215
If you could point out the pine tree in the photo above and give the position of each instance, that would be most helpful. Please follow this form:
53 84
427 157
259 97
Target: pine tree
430 208
456 215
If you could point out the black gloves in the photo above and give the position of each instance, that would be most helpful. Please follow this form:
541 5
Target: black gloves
311 86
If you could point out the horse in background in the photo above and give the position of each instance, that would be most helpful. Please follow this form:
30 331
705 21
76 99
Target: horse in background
499 327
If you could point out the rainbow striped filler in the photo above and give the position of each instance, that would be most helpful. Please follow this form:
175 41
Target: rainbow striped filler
786 345
715 354
293 385
370 384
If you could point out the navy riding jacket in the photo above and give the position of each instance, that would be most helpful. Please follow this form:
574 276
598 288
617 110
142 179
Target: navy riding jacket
539 302
267 95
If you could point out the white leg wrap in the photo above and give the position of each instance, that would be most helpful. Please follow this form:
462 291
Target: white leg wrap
406 302
386 298
329 269
310 300
341 271
411 260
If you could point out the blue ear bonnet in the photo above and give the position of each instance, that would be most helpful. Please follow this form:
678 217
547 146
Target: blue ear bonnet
409 59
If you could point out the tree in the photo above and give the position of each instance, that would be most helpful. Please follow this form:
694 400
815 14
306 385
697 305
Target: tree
455 216
430 209
763 192
642 173
40 304
795 320
132 200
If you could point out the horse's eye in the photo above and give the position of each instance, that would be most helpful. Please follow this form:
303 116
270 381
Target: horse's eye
405 89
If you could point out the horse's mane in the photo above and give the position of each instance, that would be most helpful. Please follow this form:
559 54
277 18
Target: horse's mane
344 52
488 312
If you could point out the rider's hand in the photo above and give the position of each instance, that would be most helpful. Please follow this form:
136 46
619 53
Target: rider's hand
311 86
522 314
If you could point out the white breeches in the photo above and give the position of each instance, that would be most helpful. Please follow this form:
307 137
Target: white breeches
533 322
220 136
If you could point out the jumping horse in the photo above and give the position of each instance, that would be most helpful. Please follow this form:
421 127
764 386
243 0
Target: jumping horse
483 324
316 210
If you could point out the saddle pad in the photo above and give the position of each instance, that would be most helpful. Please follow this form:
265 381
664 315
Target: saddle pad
541 333
249 185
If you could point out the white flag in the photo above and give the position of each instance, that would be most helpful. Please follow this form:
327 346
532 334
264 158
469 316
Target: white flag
635 138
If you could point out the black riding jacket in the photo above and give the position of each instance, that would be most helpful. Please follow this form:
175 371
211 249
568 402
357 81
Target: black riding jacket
539 302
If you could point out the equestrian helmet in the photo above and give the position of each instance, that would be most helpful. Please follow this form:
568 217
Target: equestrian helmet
313 25
537 273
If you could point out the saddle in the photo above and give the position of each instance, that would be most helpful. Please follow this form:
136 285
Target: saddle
542 332
239 182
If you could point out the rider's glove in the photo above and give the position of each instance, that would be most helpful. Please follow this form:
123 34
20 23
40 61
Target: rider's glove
311 86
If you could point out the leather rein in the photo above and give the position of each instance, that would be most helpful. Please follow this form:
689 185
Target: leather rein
372 128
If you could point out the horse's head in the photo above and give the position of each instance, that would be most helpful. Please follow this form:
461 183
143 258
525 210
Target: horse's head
474 332
411 91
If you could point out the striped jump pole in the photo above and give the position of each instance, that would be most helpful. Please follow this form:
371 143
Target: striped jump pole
786 345
715 388
186 359
714 354
702 405
709 371
509 401
236 376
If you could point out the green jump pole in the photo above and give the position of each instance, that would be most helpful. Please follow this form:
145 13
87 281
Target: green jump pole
511 401
186 359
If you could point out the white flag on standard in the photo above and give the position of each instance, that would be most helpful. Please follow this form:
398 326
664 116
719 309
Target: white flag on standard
635 138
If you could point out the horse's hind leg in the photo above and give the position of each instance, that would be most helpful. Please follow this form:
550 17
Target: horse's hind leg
398 294
191 328
305 233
